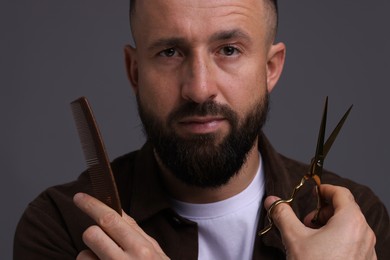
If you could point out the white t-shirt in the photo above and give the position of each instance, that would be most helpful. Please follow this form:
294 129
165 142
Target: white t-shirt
227 229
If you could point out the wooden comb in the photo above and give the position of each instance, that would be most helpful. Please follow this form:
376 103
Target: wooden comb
99 168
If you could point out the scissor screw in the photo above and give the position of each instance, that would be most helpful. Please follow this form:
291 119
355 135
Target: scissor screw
319 163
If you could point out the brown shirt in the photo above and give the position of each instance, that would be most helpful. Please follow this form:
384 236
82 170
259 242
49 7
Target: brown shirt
51 227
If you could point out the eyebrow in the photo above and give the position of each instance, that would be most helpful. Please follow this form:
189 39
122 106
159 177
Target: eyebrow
165 42
230 34
218 36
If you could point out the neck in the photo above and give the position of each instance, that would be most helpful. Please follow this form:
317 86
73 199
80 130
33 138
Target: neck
186 193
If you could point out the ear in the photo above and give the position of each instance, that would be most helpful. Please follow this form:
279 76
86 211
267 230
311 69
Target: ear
131 66
275 63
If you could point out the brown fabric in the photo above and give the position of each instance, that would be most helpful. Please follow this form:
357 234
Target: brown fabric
51 227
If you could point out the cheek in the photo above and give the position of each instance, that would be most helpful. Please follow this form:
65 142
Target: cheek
242 90
156 93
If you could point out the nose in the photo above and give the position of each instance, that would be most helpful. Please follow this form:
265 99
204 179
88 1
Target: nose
199 83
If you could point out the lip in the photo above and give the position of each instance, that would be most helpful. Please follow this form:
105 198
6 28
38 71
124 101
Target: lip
201 124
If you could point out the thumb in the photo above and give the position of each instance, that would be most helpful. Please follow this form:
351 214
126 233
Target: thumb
284 219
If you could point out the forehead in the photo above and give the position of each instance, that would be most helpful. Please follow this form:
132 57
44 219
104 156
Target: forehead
193 19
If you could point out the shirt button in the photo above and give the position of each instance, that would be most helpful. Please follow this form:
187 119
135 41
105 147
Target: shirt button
176 221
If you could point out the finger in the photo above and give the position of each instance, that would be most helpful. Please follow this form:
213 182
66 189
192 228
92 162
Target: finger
347 214
101 244
126 236
86 255
326 212
337 196
285 220
130 221
269 201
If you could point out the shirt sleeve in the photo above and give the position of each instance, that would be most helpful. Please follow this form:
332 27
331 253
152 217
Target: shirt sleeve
52 226
42 235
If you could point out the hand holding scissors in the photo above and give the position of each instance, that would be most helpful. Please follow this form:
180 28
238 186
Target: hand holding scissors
346 234
316 166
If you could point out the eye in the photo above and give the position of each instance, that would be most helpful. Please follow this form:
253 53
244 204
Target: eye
171 52
229 51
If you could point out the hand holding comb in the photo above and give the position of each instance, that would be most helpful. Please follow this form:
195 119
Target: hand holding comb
99 169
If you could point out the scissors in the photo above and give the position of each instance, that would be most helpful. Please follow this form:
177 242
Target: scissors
316 166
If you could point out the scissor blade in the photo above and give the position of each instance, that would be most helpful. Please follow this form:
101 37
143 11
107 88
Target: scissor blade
321 134
335 132
318 159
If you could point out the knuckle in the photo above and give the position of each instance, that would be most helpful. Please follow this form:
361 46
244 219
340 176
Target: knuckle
359 220
361 230
347 193
108 220
372 237
131 221
154 242
357 223
145 252
280 211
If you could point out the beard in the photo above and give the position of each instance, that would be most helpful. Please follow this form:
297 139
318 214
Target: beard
201 160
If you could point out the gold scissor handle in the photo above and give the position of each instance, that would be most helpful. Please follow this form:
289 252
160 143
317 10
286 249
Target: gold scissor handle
288 201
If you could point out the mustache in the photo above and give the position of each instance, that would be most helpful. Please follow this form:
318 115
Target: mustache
208 108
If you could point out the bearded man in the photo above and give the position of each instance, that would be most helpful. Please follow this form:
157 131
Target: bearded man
202 72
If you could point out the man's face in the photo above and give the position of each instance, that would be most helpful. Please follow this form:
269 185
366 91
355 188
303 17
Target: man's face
200 73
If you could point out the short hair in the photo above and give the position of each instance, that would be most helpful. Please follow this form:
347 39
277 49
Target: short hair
271 5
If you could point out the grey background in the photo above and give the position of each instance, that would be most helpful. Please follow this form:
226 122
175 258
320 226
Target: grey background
52 52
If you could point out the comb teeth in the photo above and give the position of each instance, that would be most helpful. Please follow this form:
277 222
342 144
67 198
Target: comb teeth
99 169
87 142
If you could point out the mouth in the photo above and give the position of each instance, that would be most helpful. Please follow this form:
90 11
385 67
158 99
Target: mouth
201 124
